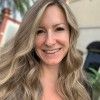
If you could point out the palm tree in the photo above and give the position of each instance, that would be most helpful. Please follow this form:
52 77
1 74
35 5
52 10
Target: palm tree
21 5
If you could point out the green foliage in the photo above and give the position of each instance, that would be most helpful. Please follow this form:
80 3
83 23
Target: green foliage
22 5
94 78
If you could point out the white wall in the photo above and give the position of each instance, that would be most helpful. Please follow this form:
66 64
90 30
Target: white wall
87 13
87 36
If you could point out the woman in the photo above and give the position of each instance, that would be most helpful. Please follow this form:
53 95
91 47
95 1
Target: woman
42 62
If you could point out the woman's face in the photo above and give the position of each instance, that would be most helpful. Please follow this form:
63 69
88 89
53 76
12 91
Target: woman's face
52 40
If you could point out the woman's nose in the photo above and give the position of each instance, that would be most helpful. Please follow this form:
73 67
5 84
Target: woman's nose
50 39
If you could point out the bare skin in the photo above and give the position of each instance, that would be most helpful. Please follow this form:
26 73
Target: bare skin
48 81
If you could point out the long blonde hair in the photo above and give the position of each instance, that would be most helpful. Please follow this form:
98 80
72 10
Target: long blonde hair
19 64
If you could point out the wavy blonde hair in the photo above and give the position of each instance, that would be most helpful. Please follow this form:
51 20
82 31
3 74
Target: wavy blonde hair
20 67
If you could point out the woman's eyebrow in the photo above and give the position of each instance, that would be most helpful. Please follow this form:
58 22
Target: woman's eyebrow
41 27
59 24
55 25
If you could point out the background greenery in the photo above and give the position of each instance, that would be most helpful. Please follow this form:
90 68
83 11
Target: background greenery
94 79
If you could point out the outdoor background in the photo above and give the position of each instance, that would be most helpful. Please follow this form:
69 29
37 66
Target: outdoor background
87 13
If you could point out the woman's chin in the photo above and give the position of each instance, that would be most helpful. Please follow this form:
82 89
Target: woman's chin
51 63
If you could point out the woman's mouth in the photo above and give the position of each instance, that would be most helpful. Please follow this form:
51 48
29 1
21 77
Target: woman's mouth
51 51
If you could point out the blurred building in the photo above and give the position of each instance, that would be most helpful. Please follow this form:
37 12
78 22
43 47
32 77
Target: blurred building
8 26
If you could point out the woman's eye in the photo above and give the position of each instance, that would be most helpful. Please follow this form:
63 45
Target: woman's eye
60 29
40 31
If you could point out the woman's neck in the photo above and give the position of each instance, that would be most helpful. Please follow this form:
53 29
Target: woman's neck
49 76
48 80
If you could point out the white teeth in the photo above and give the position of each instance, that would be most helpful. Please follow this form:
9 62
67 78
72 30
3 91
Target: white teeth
51 51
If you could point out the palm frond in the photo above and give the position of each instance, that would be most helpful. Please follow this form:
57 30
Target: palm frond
94 78
22 5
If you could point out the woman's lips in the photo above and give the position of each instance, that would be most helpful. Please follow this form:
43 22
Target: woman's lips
51 51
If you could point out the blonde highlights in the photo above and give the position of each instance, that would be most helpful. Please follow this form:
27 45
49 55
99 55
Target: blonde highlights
20 68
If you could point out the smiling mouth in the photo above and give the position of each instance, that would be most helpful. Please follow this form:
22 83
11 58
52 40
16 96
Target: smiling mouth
51 51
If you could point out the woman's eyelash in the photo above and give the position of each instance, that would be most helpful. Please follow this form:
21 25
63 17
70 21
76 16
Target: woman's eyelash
40 31
57 29
60 29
